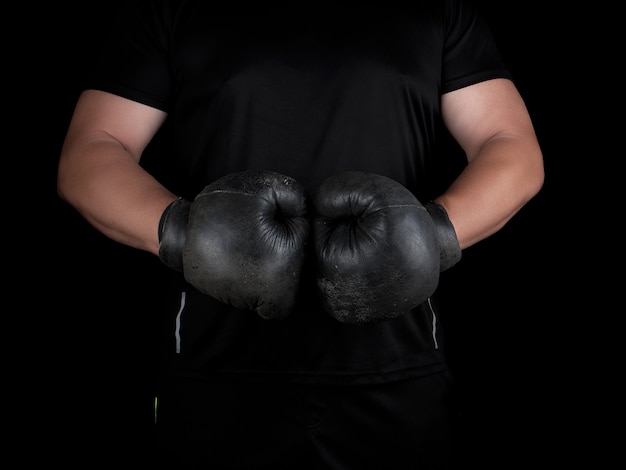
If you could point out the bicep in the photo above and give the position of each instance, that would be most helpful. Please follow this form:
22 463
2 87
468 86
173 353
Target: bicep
100 115
486 110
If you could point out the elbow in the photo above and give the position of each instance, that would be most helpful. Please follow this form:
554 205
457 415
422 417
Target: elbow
537 176
61 183
61 191
65 183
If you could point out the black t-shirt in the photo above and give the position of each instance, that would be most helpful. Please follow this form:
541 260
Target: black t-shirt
307 92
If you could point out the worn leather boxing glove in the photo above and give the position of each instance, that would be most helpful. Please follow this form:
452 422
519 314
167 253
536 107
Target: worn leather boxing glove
242 240
378 250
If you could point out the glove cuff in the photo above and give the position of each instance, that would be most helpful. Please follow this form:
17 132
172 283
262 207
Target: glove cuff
449 248
172 233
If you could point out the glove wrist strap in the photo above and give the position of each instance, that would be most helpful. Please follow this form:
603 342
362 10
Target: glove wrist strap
172 233
449 248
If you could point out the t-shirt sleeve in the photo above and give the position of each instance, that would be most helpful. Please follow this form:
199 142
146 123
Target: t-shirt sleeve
133 62
471 54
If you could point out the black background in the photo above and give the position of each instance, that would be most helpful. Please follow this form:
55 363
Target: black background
525 317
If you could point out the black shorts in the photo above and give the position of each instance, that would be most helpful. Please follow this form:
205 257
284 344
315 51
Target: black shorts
401 425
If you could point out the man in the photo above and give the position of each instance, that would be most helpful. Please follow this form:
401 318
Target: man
300 200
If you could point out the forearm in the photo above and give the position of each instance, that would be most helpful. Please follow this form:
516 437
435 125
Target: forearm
498 181
113 192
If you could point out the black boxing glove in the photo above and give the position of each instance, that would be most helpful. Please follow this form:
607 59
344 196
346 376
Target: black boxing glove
242 240
377 248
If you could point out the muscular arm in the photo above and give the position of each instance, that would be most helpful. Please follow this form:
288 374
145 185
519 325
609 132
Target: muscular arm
505 170
99 172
